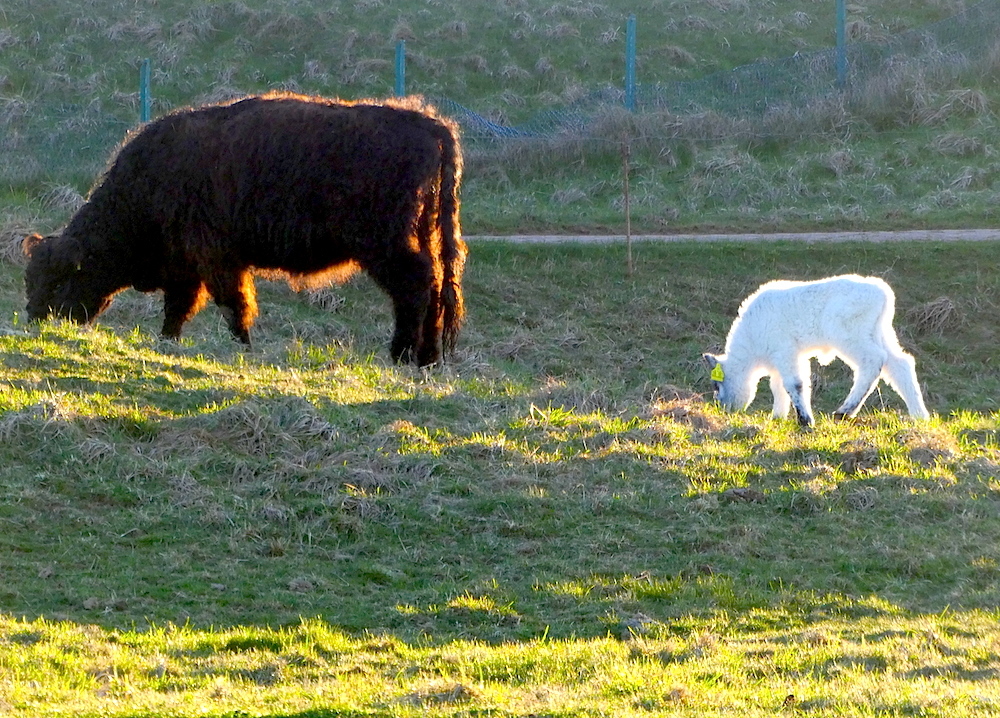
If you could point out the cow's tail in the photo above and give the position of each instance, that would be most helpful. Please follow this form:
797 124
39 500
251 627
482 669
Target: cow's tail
453 248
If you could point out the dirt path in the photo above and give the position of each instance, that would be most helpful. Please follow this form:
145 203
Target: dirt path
916 235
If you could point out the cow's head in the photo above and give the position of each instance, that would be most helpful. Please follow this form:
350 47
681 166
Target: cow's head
58 280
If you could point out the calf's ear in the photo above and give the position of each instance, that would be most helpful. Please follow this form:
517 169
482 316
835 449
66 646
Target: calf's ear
714 364
29 243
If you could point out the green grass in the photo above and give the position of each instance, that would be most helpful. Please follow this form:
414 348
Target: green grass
914 149
890 665
555 523
508 58
558 522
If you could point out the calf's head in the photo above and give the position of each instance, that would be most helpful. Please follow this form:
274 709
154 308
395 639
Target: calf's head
58 282
730 384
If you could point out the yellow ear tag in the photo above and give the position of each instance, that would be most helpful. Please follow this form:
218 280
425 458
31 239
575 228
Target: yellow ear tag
717 373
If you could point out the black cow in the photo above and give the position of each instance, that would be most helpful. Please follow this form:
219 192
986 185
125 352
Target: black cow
198 201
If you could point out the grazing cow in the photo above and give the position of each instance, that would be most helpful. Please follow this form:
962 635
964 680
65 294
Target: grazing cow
198 201
783 325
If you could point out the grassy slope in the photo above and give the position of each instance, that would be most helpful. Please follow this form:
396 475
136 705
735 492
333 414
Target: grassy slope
543 526
562 480
916 155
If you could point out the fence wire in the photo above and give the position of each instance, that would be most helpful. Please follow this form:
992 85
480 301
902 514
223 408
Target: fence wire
75 140
755 90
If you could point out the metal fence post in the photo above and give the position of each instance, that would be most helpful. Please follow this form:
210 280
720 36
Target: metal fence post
626 157
841 44
145 99
400 68
630 63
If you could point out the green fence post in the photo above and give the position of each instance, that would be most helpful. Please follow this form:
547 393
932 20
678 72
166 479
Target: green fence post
400 68
841 44
145 99
630 63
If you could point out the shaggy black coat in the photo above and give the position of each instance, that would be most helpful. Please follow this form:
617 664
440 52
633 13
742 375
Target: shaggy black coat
198 201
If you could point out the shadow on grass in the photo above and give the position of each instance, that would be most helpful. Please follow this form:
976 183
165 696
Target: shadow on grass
427 517
150 485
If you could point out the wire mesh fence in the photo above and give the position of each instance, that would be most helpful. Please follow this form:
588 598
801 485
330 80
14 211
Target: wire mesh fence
772 86
66 139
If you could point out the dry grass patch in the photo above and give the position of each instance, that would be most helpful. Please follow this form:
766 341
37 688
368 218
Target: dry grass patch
608 37
580 400
62 199
477 63
960 144
514 72
402 31
677 56
454 29
12 234
964 102
859 456
970 177
841 162
929 445
698 23
862 31
933 317
684 407
364 71
441 694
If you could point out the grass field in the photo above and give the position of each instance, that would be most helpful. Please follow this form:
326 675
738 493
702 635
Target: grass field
914 147
556 523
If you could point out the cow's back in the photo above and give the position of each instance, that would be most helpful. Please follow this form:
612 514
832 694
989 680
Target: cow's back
283 182
327 181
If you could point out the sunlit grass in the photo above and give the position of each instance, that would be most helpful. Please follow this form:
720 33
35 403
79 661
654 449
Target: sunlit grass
559 522
872 662
556 522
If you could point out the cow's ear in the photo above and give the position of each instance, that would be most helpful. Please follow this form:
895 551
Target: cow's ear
29 243
711 361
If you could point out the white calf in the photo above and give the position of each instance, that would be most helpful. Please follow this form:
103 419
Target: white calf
784 324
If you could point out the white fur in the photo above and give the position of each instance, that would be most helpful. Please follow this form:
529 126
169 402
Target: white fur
784 324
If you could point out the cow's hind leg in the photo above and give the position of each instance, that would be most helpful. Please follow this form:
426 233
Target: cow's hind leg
181 301
236 296
432 329
407 279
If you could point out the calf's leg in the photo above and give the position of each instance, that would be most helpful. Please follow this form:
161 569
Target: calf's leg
901 373
797 383
782 402
866 373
